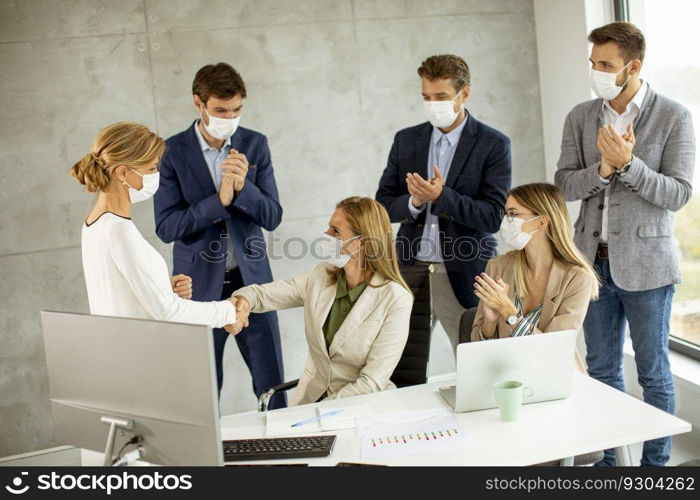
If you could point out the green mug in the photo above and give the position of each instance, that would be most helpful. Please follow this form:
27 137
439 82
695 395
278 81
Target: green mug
509 396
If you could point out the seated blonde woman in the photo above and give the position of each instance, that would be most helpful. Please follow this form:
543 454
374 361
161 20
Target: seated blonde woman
357 306
544 284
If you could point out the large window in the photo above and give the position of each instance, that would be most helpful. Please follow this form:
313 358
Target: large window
672 67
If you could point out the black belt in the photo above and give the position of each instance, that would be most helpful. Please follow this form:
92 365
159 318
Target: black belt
602 252
230 275
422 263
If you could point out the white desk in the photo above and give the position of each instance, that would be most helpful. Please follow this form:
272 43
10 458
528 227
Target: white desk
594 418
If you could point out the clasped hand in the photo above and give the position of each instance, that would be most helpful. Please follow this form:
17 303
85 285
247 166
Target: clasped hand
242 312
233 173
182 286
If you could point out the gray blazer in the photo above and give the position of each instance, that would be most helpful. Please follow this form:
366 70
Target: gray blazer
642 201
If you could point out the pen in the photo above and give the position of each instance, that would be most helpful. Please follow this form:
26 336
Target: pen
315 419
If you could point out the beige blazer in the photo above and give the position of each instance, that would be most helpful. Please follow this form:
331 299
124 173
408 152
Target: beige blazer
565 301
366 348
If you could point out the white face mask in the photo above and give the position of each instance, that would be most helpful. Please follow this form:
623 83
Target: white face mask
441 114
330 249
512 233
605 84
150 186
220 128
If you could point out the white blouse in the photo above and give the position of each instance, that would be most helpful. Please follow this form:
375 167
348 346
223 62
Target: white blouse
126 277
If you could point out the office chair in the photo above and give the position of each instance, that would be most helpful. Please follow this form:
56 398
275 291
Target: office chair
465 325
412 368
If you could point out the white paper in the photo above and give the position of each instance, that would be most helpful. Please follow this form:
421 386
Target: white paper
345 419
411 433
279 423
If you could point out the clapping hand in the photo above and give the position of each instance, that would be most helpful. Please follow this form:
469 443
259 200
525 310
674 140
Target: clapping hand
615 149
182 286
414 191
494 297
425 190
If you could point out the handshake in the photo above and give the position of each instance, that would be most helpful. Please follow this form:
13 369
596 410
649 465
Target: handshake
182 286
242 312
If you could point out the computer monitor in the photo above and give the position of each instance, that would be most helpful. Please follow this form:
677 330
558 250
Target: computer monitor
133 377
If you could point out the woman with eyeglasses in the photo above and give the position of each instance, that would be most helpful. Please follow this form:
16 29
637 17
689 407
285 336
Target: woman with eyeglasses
125 276
544 284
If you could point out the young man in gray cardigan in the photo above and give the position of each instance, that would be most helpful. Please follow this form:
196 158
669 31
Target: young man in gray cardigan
629 157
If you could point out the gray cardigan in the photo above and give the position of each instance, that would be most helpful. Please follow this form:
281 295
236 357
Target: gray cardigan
642 201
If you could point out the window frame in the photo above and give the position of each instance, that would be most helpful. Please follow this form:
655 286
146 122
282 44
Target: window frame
621 11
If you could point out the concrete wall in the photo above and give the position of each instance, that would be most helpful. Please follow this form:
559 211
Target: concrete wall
329 83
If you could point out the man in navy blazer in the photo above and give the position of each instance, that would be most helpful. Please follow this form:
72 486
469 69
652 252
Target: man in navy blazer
446 182
217 190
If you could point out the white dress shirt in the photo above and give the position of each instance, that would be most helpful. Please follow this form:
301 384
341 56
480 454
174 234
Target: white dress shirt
126 277
619 121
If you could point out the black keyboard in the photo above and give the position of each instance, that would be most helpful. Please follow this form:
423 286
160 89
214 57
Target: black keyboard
278 448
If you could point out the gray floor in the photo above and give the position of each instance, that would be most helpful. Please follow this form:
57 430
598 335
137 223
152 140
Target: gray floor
684 448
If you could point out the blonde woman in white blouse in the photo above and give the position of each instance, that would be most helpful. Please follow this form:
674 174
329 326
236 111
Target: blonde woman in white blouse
125 276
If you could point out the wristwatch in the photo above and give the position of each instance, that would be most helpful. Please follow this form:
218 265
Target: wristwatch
624 168
513 319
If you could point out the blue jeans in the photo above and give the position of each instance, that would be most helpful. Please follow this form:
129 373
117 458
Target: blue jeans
648 314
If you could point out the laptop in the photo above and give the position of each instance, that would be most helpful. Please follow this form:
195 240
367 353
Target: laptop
544 362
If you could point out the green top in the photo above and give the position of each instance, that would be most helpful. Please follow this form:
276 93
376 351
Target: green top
344 300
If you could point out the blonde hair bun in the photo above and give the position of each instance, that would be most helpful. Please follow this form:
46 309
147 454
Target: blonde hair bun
122 143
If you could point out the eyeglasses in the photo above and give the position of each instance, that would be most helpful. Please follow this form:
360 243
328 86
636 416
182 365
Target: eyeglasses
512 214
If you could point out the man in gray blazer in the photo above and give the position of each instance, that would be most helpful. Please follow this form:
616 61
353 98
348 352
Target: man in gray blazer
629 157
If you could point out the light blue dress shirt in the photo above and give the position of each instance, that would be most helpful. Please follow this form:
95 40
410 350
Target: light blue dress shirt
214 157
441 152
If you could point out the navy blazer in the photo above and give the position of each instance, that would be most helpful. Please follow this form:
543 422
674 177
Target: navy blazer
188 211
469 208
